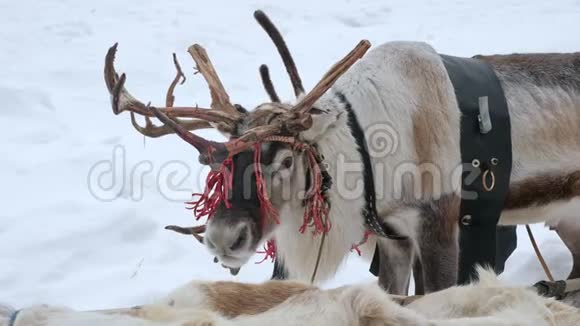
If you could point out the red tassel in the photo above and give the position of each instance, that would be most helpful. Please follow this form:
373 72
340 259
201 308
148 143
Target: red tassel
266 208
366 236
269 251
218 184
316 210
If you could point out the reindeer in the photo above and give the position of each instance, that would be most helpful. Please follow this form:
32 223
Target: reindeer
294 172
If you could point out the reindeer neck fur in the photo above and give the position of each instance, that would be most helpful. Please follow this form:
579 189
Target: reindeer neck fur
407 107
383 91
299 252
404 95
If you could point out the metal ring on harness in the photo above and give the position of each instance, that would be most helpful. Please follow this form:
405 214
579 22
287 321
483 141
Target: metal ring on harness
487 187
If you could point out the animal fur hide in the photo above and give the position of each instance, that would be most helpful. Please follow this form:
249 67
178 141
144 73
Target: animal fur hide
486 303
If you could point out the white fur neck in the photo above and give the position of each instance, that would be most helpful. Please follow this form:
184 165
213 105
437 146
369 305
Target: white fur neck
299 252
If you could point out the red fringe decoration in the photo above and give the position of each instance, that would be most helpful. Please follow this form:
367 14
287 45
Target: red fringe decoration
266 208
218 183
363 241
269 251
316 210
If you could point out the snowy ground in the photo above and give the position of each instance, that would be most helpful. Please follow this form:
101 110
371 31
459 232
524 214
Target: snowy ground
64 241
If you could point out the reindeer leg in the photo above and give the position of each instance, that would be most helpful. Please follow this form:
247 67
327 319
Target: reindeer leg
549 188
418 277
440 264
396 258
438 243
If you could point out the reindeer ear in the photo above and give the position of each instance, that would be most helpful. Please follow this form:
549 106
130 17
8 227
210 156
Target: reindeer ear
324 119
223 129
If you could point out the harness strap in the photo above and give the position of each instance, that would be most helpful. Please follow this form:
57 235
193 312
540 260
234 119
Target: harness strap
372 221
370 214
486 156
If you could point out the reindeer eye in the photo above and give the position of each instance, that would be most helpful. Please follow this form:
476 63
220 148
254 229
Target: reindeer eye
287 162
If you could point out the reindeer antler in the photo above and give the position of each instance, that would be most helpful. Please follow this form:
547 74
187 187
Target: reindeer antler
122 100
282 48
298 118
195 231
295 120
154 131
222 112
268 85
331 76
219 96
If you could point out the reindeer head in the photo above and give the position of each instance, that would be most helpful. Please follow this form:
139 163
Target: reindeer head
264 164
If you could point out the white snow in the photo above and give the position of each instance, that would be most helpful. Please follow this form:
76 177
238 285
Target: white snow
63 241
